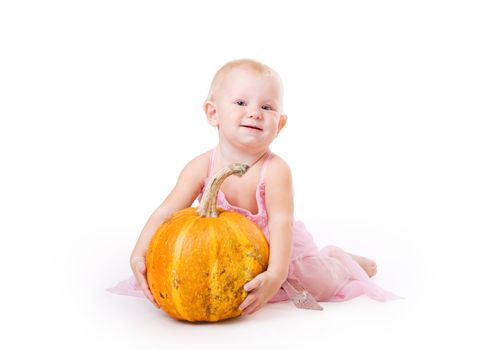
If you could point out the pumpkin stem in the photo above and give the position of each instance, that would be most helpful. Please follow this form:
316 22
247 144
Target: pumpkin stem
208 206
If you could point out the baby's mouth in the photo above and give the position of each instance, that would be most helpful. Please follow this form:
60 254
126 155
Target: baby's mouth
251 127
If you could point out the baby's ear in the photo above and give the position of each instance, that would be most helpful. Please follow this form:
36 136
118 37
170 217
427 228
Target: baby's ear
210 109
282 121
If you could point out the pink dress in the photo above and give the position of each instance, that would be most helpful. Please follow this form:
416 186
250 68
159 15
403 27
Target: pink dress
329 274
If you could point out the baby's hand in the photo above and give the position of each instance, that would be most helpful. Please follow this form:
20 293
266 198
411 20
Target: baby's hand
262 288
140 270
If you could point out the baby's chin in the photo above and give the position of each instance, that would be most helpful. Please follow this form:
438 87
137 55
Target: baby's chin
254 140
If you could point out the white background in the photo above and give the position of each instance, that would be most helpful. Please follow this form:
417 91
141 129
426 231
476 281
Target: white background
394 140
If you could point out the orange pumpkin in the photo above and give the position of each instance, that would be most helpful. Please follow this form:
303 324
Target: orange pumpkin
199 260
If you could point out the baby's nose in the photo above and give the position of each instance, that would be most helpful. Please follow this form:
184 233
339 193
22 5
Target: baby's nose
256 114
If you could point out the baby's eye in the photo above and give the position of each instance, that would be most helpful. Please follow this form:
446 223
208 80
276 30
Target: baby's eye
267 107
241 103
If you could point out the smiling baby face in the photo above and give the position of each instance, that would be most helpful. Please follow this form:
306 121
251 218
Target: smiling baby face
246 105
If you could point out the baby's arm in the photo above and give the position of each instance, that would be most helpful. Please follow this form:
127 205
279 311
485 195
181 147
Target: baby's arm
279 203
184 193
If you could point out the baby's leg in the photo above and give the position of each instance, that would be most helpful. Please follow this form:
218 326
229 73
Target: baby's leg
366 264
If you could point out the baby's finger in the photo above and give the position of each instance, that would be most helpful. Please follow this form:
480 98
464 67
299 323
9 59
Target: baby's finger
251 308
253 284
255 307
140 277
148 294
248 301
142 281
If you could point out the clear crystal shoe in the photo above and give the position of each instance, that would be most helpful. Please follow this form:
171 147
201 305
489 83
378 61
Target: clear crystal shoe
300 296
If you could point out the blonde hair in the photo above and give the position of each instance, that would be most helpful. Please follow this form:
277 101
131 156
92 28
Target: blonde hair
244 63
